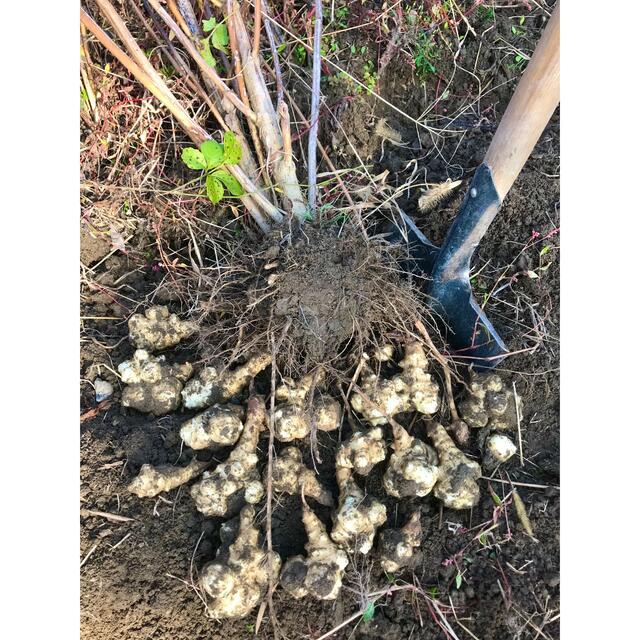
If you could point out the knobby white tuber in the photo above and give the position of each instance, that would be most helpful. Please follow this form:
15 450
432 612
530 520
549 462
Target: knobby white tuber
290 475
358 516
411 390
218 426
412 469
399 547
457 485
320 573
214 384
157 330
294 418
362 451
498 448
236 480
154 480
489 403
237 580
152 386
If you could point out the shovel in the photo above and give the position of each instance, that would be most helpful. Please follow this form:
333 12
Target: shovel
465 326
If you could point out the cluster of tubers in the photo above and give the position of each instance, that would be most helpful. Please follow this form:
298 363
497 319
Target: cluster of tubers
240 574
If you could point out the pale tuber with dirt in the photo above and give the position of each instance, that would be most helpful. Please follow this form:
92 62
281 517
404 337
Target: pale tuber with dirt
399 548
158 330
412 469
457 484
295 416
411 390
358 515
235 481
319 574
152 481
151 385
237 580
216 384
290 475
218 426
362 451
489 403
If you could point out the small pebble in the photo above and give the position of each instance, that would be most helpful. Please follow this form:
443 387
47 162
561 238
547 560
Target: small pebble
103 389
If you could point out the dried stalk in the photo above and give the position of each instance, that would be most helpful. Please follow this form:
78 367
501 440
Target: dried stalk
156 86
315 109
281 164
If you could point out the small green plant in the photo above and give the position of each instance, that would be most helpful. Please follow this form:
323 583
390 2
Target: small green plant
370 76
485 13
369 612
458 580
250 627
425 54
217 37
300 55
210 157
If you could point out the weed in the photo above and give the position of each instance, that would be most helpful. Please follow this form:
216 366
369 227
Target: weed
425 54
485 13
210 157
300 55
218 38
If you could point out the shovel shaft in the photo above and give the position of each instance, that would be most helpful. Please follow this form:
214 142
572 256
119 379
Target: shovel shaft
532 105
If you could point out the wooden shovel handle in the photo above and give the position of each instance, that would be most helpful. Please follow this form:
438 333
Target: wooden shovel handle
529 111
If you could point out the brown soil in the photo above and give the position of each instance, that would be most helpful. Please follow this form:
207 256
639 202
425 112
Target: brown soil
134 584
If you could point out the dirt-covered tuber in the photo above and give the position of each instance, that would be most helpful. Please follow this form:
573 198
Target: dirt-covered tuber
215 384
152 386
154 480
457 484
319 574
237 580
290 475
362 451
294 417
236 480
412 469
489 403
218 426
358 516
498 448
399 548
157 329
411 390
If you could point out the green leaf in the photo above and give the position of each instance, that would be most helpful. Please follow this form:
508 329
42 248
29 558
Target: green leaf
213 153
458 580
209 25
232 185
545 250
367 616
220 37
193 158
496 499
205 52
232 150
215 190
521 20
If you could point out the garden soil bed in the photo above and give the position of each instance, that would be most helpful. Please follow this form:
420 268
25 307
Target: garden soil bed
135 576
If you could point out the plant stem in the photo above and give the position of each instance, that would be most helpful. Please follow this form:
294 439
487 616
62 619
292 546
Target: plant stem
315 109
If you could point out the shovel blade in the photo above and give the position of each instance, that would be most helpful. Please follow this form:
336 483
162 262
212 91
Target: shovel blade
464 324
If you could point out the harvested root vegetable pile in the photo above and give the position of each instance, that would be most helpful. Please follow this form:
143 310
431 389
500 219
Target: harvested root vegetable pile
268 406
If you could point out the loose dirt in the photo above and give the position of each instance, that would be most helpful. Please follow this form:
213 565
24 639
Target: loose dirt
135 583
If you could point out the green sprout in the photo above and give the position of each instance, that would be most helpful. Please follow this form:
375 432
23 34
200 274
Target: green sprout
210 157
218 38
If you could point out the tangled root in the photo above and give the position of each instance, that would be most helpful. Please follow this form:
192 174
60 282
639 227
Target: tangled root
321 294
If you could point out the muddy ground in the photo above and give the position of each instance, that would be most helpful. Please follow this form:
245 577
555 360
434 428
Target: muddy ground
135 576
